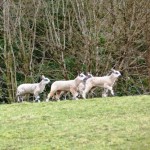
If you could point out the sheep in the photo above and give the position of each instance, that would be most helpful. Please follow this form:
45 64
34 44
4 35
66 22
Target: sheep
32 88
106 82
66 85
80 88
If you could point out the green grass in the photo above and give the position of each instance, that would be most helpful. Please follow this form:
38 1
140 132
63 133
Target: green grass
114 123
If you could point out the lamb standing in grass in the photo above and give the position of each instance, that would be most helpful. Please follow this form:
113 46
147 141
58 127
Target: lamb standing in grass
68 85
32 88
80 88
106 82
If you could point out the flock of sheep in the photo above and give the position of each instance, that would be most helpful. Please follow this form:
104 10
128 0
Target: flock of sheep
81 85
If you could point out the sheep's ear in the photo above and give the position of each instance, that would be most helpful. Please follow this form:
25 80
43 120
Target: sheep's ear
42 76
78 72
83 73
112 70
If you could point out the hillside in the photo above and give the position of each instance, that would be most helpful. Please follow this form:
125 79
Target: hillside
100 124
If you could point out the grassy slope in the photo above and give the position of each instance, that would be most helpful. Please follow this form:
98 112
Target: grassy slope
109 123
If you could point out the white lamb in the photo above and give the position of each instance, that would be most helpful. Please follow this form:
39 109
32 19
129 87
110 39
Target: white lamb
32 88
80 88
68 85
106 82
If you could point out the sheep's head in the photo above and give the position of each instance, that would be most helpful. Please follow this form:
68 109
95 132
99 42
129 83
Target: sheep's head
115 73
81 76
88 75
45 80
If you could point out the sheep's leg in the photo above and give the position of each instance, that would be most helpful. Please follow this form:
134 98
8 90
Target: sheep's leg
65 93
80 92
74 93
58 94
105 93
87 89
19 99
37 98
112 92
92 93
109 88
51 94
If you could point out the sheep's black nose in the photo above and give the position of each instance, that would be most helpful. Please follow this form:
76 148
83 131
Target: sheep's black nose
121 73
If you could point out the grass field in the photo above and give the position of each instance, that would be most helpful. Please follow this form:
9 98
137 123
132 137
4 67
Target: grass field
114 123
